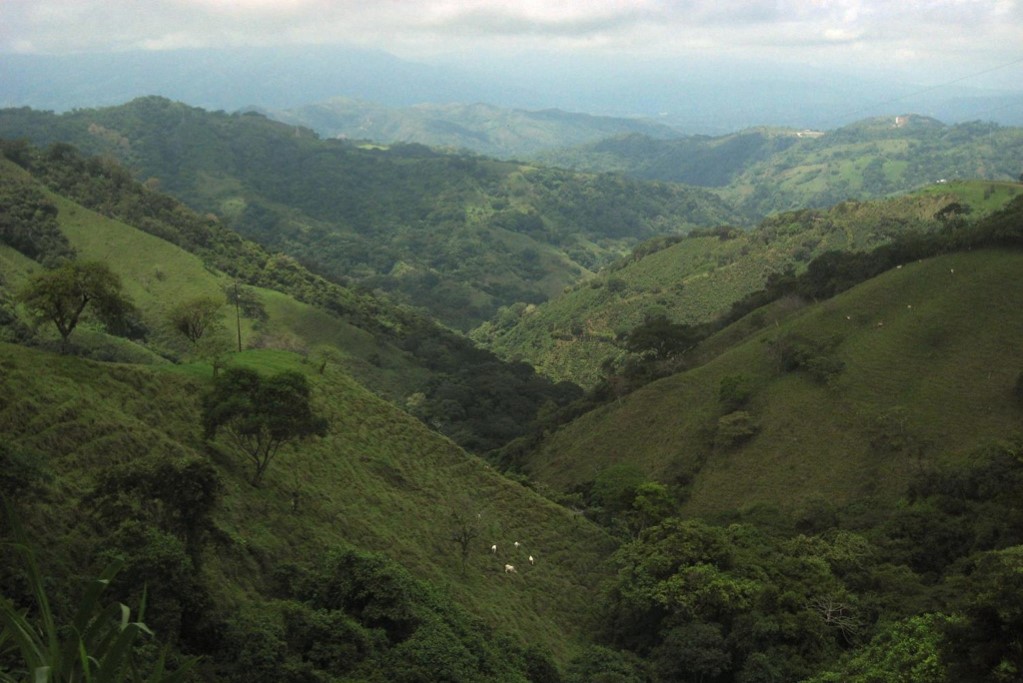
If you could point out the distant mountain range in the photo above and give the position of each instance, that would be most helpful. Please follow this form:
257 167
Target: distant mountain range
706 97
482 128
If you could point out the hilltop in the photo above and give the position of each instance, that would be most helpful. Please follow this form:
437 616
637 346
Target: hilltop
767 170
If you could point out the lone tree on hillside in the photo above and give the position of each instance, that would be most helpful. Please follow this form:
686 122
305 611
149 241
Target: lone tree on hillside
661 337
260 414
195 317
61 296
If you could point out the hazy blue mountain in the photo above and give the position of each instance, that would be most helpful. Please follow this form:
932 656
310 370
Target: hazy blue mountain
483 128
709 96
227 78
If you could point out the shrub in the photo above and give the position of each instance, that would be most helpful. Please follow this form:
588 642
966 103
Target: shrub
735 428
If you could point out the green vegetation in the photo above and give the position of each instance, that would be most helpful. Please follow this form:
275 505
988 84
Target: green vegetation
60 296
260 415
456 235
694 280
813 475
763 171
100 644
401 354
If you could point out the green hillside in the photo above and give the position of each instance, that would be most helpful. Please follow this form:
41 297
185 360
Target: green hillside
398 353
822 485
381 493
696 279
763 171
457 235
380 481
927 357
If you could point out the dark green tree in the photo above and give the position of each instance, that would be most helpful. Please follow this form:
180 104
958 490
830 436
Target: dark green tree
260 415
61 296
661 337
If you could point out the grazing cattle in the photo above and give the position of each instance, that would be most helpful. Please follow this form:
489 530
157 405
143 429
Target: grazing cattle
517 545
531 560
509 569
493 548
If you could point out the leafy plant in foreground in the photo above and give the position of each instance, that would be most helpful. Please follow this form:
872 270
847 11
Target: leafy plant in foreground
98 645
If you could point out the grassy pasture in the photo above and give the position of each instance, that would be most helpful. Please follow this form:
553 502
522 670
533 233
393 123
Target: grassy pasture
930 357
379 481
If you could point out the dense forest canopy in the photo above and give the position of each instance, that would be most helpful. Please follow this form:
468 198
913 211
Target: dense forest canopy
458 235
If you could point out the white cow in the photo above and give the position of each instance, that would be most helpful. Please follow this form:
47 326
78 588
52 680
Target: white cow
509 569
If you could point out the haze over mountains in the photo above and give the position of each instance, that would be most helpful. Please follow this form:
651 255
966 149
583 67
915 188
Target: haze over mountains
692 94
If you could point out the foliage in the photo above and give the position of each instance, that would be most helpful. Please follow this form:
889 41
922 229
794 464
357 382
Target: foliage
195 317
20 472
985 644
28 222
260 415
865 159
734 393
358 615
661 337
406 352
908 651
708 279
96 645
176 496
735 428
445 232
61 295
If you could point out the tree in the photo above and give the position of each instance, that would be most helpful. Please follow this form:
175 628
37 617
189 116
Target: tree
61 296
466 527
662 337
195 317
260 415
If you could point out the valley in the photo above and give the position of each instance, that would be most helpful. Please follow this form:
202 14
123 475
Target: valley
743 408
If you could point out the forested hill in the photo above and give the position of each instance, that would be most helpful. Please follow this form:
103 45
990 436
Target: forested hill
768 170
396 352
692 280
457 235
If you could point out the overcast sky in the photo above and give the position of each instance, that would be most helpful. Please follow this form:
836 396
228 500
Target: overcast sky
931 41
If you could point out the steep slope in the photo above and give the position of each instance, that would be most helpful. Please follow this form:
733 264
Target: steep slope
458 235
398 353
847 398
482 128
380 481
696 279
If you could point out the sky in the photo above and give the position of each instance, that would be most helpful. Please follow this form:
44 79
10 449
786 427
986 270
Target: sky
977 42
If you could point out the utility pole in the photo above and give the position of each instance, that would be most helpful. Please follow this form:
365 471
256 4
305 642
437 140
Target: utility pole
238 315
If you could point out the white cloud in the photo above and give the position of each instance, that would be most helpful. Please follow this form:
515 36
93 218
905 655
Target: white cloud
971 33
